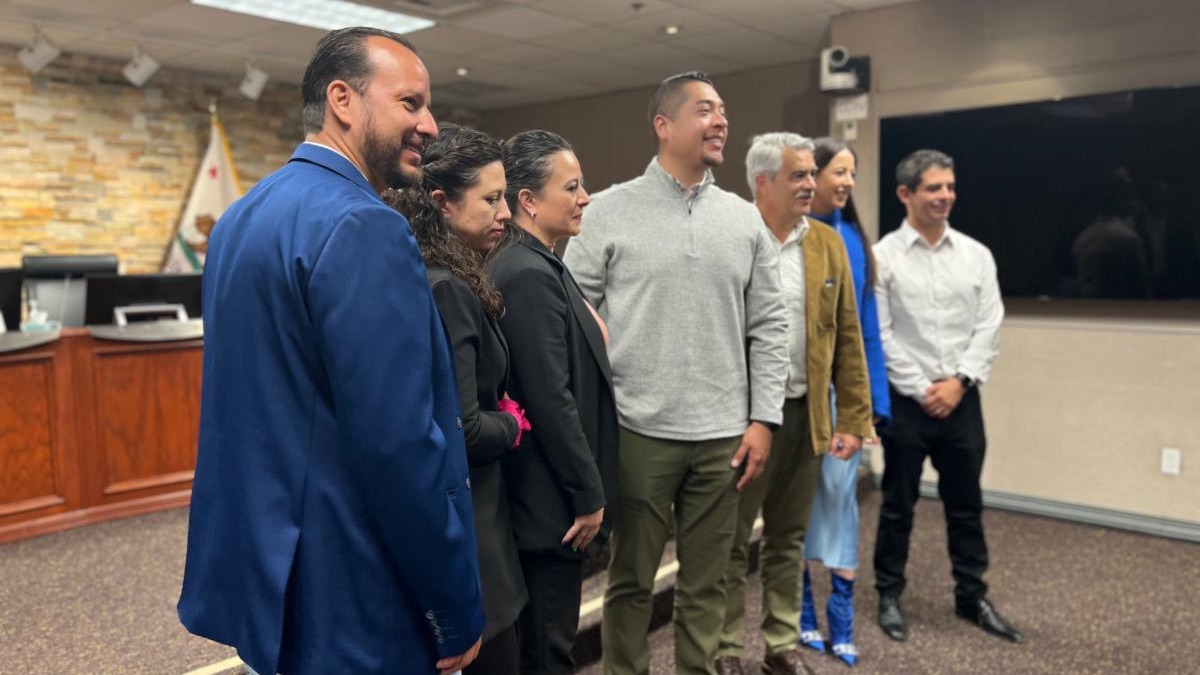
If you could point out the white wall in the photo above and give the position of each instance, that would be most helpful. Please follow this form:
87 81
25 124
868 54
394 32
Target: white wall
1079 405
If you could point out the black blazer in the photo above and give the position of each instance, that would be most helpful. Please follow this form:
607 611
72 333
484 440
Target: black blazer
567 466
481 360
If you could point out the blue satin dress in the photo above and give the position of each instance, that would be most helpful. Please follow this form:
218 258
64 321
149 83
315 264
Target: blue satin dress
833 527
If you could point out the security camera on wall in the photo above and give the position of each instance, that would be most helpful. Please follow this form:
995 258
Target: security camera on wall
842 73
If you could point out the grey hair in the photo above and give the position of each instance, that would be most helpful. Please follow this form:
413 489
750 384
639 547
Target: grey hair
765 156
910 169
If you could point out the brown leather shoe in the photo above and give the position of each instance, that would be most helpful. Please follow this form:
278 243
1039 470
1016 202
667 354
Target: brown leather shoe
787 663
729 665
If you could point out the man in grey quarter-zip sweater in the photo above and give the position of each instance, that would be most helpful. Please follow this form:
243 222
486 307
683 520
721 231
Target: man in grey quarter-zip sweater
684 274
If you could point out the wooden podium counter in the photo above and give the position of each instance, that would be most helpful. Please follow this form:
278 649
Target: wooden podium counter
93 430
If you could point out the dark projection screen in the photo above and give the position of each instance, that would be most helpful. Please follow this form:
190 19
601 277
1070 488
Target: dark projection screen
1093 197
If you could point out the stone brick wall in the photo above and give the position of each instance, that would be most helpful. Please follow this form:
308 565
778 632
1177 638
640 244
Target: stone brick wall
92 164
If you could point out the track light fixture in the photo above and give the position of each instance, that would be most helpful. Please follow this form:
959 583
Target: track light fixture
254 82
141 68
39 53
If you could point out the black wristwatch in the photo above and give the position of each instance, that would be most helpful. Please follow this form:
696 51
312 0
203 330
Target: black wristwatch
769 425
966 381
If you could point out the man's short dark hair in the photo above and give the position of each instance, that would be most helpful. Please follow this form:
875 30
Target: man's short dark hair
340 55
911 168
669 95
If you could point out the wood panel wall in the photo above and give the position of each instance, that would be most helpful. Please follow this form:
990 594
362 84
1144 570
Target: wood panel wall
92 430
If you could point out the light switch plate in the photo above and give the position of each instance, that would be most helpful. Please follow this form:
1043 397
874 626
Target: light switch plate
1172 460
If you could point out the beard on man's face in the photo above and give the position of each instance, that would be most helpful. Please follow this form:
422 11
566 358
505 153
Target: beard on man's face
382 157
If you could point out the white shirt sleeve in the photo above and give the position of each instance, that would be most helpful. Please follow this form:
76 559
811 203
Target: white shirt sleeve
904 373
976 362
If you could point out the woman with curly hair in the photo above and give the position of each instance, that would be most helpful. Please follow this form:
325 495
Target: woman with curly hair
458 214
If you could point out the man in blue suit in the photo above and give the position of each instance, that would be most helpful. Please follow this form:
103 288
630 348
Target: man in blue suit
331 528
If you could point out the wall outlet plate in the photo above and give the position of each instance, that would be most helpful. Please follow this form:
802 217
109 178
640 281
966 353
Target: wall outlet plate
1172 460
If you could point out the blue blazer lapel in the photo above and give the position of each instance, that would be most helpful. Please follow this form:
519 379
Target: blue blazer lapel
324 157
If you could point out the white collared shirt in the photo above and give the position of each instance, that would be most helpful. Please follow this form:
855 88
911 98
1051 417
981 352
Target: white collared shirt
339 153
791 281
939 308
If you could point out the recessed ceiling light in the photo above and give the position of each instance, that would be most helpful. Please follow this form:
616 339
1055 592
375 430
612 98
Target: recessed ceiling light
323 14
671 30
461 72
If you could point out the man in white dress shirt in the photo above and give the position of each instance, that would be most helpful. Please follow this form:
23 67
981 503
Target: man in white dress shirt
939 320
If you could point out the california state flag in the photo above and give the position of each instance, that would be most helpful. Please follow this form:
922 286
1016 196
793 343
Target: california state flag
215 188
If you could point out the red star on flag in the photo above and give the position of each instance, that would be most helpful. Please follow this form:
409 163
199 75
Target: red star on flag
212 172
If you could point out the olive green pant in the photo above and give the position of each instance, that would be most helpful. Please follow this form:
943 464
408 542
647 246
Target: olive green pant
784 492
692 486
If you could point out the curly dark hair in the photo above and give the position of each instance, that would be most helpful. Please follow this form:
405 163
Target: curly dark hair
451 163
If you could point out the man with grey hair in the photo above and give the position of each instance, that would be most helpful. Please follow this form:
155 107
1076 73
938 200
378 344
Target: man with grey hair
939 321
685 277
824 347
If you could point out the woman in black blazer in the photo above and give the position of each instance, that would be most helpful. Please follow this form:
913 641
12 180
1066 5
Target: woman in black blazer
457 215
565 472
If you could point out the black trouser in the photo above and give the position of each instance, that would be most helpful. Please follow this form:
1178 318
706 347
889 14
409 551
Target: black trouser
550 621
956 446
497 656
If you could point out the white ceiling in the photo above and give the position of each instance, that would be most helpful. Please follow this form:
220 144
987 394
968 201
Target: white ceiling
518 52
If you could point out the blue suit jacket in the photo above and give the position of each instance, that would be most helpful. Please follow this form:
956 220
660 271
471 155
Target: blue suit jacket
331 527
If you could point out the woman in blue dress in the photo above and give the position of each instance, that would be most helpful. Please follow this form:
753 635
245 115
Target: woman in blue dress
833 527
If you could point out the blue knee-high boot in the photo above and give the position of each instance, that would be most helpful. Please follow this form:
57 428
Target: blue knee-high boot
840 612
810 633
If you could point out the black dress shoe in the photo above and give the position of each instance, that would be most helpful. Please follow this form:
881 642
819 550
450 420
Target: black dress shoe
729 665
981 613
891 619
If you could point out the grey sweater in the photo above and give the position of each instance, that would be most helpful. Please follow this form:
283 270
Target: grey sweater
689 287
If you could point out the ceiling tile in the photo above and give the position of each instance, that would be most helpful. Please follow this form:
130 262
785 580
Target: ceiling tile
811 28
214 61
759 8
20 34
96 14
664 61
523 54
449 39
116 47
651 25
496 74
597 41
517 23
200 25
749 47
593 71
441 67
803 21
600 11
544 49
860 5
284 41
